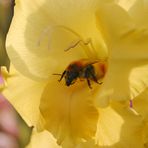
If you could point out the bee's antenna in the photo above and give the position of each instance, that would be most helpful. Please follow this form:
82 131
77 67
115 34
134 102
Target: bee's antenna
62 75
57 74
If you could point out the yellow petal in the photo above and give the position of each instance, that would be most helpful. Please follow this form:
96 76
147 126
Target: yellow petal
38 43
69 112
145 135
45 139
42 140
140 104
139 11
125 79
127 43
124 36
88 144
24 94
126 4
118 126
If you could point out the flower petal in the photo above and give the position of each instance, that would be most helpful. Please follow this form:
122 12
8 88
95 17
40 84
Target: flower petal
139 11
127 44
42 139
140 104
38 43
126 4
124 80
69 112
118 126
124 36
45 139
24 94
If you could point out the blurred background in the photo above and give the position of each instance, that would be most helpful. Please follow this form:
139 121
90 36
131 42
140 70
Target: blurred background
14 133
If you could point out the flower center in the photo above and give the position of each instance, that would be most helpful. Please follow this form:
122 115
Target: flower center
79 60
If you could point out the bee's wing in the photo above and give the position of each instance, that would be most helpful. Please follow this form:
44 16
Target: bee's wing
96 61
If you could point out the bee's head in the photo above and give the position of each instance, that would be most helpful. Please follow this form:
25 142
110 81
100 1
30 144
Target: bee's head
70 77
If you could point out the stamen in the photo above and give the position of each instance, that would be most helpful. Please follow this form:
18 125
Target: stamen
50 30
73 45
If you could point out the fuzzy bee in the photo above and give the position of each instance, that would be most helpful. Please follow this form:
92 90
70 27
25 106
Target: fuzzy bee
84 69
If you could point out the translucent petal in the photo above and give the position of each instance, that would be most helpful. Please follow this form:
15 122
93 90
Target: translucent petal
128 55
118 126
69 112
125 79
24 94
125 38
126 4
140 104
139 12
38 43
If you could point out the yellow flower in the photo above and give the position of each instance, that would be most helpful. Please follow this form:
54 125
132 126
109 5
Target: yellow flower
6 8
40 33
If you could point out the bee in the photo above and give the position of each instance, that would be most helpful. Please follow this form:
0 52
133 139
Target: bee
84 69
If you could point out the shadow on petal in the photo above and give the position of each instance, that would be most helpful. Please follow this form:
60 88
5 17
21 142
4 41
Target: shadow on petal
69 112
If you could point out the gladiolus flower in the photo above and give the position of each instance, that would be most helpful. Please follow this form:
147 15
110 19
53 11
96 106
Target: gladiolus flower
45 37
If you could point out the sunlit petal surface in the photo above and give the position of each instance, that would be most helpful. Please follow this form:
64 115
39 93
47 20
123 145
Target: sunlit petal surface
119 119
24 94
42 139
127 43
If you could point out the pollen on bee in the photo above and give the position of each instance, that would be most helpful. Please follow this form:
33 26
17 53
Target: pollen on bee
101 69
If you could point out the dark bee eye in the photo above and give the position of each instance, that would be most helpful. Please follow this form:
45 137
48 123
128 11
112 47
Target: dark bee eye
70 77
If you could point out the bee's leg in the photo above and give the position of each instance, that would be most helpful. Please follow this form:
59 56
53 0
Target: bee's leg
88 82
95 79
